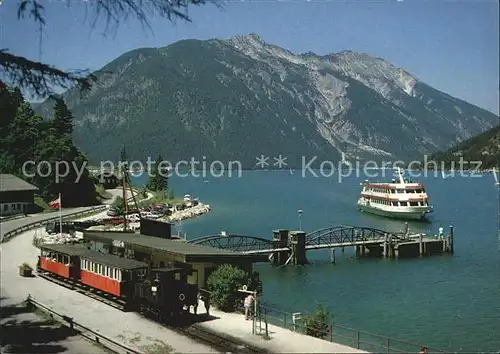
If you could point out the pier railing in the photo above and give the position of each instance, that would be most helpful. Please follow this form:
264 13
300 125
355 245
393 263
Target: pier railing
362 340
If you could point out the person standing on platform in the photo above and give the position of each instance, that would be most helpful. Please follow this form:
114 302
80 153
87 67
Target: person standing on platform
441 232
206 302
195 306
248 306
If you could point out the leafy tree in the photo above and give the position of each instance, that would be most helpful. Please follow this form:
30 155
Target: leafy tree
158 179
118 206
224 283
40 79
316 324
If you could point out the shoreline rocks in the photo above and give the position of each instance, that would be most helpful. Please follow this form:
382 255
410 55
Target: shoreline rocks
188 213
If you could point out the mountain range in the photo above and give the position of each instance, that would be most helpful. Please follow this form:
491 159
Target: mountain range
241 97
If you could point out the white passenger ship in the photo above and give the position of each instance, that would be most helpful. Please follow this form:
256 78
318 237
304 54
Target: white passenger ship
400 199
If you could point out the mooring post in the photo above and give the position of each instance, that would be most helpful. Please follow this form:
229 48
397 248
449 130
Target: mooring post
332 255
451 239
385 246
298 243
421 245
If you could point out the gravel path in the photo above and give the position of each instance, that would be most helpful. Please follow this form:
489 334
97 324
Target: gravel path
128 328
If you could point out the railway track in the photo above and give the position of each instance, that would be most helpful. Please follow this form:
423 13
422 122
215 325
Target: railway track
224 344
221 343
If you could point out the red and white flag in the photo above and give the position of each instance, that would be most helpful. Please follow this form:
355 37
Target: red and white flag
55 204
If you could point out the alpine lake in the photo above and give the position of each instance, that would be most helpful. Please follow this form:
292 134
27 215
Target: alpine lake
448 302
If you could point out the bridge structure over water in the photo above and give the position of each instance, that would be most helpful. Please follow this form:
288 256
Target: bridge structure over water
291 246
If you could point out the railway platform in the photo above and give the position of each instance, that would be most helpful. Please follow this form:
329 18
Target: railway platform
281 340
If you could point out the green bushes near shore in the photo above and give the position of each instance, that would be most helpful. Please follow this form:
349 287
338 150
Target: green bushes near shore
224 283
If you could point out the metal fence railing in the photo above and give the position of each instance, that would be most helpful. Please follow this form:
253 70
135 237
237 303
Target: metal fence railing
362 340
8 235
84 331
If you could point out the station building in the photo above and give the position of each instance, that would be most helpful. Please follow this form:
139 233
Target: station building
199 261
16 195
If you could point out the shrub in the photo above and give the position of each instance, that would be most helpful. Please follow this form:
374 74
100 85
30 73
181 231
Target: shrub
118 206
25 266
316 324
224 283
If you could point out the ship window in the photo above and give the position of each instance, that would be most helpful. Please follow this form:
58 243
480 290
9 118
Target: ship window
418 191
403 203
413 203
394 203
393 191
400 191
410 190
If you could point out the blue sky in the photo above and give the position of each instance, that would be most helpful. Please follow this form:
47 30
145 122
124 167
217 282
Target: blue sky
451 45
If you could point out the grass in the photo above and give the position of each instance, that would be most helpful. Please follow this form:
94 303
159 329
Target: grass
102 194
42 204
159 198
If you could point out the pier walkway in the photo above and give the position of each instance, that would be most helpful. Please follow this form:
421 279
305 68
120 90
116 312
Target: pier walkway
286 246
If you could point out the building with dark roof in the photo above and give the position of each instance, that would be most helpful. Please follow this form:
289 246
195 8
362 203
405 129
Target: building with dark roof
108 178
16 195
160 252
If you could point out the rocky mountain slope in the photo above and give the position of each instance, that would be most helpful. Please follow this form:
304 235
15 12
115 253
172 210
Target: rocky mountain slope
239 98
484 147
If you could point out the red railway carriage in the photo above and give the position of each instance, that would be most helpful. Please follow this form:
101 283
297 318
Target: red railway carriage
105 272
111 274
61 260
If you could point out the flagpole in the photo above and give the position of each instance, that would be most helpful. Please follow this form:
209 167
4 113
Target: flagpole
60 214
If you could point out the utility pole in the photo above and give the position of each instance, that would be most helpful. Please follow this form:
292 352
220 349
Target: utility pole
123 172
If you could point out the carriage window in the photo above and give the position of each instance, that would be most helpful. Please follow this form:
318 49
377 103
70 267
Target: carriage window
83 264
119 275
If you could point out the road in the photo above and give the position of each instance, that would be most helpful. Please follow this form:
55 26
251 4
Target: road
10 225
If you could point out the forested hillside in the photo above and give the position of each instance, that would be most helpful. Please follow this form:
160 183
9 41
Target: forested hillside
484 147
26 139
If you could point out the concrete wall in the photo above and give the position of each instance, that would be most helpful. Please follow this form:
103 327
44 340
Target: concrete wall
14 208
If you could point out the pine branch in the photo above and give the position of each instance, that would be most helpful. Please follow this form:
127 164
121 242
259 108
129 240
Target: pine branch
41 79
